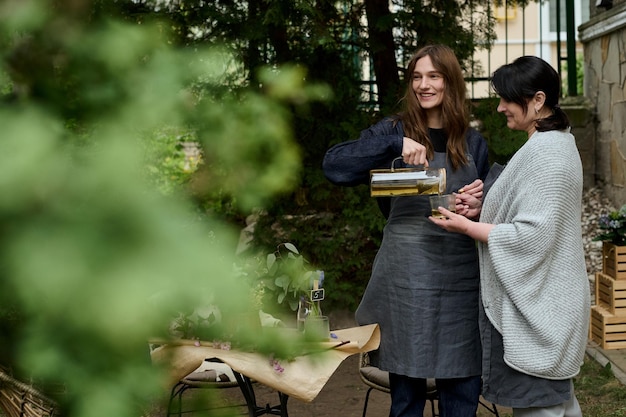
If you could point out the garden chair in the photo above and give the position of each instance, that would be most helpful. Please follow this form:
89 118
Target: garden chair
211 375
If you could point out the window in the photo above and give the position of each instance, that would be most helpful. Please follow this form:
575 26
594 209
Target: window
581 13
505 9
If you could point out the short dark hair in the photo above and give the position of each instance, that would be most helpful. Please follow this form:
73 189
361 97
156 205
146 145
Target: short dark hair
519 81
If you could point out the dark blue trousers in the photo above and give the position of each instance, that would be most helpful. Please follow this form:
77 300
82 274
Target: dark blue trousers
458 397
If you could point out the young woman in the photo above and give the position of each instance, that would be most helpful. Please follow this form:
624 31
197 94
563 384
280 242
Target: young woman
534 283
423 290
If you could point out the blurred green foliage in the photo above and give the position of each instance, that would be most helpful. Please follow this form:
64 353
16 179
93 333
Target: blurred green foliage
172 158
100 246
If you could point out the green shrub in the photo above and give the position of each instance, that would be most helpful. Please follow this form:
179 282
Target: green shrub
341 240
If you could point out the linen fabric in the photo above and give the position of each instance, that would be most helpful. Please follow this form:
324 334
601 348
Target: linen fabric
505 386
423 290
534 282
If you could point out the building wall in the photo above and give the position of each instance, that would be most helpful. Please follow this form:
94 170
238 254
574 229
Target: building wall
604 43
522 32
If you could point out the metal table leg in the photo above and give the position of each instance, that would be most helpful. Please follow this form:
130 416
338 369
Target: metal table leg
254 410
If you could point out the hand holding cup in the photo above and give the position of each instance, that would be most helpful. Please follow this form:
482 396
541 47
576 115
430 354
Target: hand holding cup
447 201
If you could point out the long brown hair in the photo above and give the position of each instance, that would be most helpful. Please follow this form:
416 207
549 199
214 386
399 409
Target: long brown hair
454 108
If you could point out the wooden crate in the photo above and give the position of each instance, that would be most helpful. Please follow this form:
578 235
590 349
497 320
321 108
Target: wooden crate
611 294
608 330
614 260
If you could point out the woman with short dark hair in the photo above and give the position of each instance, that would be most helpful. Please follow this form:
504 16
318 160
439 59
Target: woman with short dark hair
534 286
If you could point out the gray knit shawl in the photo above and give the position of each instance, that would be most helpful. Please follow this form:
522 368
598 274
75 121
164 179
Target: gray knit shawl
534 282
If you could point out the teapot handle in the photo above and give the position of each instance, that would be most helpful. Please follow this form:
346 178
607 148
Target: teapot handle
400 158
394 162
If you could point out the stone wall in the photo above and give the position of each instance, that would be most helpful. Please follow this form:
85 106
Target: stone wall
599 6
604 42
582 118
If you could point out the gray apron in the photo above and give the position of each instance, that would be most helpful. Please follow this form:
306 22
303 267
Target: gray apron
423 291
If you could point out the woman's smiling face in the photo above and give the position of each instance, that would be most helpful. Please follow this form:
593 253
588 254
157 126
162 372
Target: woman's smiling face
428 84
517 117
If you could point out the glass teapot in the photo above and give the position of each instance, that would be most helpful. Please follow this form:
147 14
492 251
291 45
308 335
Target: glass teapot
407 181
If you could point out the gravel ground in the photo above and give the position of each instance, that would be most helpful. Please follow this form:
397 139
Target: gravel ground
595 204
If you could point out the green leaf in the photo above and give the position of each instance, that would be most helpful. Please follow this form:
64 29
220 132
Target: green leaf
291 247
271 258
269 284
283 282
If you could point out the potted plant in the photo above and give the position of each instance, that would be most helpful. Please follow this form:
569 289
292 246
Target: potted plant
281 283
285 279
612 234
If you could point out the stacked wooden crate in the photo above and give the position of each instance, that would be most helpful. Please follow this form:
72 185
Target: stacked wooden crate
608 315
